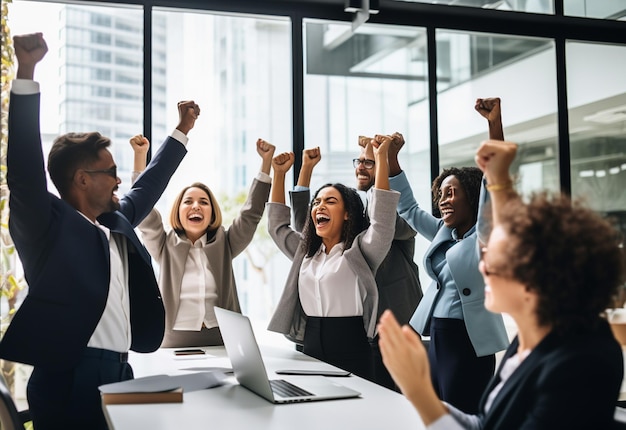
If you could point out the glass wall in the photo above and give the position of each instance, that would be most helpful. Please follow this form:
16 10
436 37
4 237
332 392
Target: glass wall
364 82
597 112
521 71
238 69
92 76
605 9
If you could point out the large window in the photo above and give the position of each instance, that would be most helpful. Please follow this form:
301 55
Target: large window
364 82
522 73
81 83
597 112
238 70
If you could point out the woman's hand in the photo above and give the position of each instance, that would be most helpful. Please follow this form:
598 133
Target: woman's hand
404 354
489 108
310 157
140 145
494 158
266 151
406 359
381 144
283 162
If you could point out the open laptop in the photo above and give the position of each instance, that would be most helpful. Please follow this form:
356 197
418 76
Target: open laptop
249 368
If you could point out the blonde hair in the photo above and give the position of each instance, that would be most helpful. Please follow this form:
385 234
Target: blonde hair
216 218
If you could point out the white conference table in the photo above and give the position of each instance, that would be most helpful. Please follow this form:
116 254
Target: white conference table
232 406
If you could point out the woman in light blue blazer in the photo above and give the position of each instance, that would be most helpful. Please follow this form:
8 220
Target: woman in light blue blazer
464 336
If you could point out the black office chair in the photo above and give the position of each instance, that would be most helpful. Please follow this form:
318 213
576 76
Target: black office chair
10 417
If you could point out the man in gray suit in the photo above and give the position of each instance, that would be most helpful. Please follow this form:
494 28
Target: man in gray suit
397 278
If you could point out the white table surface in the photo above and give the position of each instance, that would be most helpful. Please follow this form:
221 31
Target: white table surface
234 407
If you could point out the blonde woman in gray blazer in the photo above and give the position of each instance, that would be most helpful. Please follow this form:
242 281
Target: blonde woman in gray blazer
195 256
330 300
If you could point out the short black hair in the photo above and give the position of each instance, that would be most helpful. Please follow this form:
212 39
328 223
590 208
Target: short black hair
69 153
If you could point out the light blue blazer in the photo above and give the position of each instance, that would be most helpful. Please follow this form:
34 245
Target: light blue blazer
485 329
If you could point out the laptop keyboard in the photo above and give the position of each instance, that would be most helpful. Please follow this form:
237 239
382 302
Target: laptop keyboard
287 389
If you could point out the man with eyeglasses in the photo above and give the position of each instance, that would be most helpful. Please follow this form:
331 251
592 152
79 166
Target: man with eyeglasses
397 278
92 292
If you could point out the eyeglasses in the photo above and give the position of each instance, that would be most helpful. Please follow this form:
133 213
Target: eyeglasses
112 172
485 269
368 164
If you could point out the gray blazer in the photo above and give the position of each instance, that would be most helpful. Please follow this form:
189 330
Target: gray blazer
171 251
364 257
485 329
397 278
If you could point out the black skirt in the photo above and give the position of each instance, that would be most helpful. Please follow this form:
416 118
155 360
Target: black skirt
340 341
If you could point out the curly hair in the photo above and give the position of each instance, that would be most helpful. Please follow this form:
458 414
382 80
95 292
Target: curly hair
470 179
355 224
568 254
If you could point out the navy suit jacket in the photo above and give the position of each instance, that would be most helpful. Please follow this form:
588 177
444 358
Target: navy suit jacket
567 382
66 258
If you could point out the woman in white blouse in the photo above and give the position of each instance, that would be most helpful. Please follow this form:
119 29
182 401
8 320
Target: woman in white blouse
195 256
330 300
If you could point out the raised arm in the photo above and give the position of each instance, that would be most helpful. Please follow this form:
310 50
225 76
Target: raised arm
310 158
241 231
381 145
299 197
281 164
490 109
397 142
266 152
29 50
140 145
147 190
26 176
188 112
494 158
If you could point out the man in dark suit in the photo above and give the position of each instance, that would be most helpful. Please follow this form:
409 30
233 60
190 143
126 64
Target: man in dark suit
397 277
92 291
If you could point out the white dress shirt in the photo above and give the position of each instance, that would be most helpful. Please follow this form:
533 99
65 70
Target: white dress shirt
328 287
113 329
198 291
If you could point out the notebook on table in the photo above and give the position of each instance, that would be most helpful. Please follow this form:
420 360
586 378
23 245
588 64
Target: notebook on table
247 362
